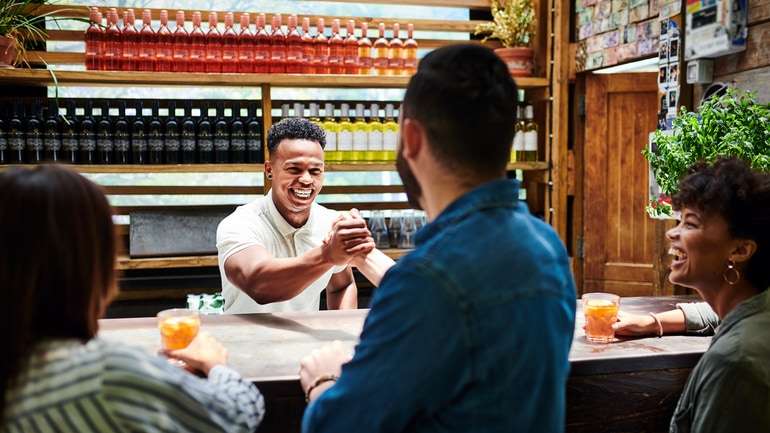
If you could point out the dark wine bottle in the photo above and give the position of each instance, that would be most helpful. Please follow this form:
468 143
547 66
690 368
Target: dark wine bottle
189 126
105 145
87 134
205 137
238 134
3 137
34 134
69 134
121 138
171 133
51 133
155 135
139 135
16 134
254 151
221 135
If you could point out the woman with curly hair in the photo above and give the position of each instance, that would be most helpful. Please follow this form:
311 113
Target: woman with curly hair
721 249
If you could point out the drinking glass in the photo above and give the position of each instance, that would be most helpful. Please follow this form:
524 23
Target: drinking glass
394 229
408 229
379 230
178 327
601 312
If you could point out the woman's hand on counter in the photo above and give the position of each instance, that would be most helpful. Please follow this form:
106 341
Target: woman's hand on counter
203 354
635 325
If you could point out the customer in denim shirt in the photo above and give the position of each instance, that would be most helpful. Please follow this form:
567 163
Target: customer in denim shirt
471 331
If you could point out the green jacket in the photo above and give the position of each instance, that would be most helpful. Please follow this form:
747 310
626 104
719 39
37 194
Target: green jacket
729 388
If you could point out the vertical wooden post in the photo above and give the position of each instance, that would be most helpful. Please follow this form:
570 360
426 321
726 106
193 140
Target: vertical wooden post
267 122
559 33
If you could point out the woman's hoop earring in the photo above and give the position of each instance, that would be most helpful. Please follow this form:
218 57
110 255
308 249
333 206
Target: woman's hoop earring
731 272
269 176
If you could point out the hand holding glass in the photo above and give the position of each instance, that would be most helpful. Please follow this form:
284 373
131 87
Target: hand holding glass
178 327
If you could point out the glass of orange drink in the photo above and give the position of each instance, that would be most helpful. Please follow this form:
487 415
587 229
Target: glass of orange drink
178 327
601 311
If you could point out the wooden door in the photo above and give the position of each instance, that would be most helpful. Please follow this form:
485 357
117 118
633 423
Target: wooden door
619 239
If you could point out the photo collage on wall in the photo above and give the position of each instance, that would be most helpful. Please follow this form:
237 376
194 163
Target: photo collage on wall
668 71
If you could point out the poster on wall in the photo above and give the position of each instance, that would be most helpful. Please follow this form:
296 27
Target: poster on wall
715 28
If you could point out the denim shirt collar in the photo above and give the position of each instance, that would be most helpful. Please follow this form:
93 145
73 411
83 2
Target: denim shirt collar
496 193
754 305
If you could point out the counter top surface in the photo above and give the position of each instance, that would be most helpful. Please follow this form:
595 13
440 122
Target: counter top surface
268 347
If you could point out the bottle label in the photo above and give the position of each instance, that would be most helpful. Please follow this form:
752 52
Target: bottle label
345 141
69 143
3 143
51 142
34 142
188 144
518 141
375 140
104 142
253 143
138 144
360 140
172 144
16 142
156 143
205 144
221 143
530 141
121 143
238 144
390 140
331 141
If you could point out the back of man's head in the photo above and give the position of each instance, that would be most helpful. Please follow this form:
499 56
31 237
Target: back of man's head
464 97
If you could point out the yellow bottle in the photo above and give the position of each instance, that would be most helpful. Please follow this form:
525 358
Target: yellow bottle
530 135
331 128
375 151
360 135
314 115
345 135
390 135
518 137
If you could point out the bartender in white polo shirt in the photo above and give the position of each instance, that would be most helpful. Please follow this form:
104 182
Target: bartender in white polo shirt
279 252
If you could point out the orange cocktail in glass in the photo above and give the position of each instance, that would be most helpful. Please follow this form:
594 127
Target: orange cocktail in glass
601 312
178 327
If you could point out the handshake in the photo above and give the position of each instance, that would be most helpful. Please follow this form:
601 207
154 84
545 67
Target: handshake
348 241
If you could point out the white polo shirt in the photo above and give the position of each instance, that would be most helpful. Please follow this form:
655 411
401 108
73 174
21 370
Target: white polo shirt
260 223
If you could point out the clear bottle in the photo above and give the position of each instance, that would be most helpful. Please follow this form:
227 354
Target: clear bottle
308 48
104 141
148 43
164 53
322 49
365 62
86 133
331 129
381 50
375 150
245 46
261 47
229 46
139 134
277 46
294 48
51 133
360 135
181 45
155 144
113 43
336 50
530 135
395 55
189 132
350 59
213 45
206 134
345 135
222 134
238 134
254 147
197 60
313 115
121 138
409 53
171 140
69 134
390 134
285 109
130 43
299 110
379 230
94 36
33 134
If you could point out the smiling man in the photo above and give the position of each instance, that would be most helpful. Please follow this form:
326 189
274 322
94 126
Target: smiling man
279 252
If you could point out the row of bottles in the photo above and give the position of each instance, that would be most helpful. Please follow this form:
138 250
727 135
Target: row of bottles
525 140
360 135
86 131
119 45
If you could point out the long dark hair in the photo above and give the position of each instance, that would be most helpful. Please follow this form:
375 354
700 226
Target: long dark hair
57 261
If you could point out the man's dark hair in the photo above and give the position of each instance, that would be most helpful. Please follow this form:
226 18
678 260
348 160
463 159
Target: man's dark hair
294 128
465 98
730 188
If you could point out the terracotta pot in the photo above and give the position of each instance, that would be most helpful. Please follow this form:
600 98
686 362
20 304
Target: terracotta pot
8 52
519 60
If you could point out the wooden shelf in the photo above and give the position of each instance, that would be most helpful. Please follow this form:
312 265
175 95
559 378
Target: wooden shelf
171 168
126 263
22 76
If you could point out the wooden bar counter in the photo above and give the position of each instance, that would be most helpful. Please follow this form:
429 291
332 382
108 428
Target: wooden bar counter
628 386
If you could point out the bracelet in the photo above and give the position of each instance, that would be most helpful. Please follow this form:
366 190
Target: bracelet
657 322
318 381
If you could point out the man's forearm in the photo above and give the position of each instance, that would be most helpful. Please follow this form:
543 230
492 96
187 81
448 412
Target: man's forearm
374 265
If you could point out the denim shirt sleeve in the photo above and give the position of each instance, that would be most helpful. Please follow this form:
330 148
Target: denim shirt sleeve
699 317
390 380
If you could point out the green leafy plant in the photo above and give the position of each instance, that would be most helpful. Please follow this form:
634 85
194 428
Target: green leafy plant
21 22
513 23
732 125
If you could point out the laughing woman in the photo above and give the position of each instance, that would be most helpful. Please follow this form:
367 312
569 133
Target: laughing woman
722 250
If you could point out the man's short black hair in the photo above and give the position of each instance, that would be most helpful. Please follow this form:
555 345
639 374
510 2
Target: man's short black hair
465 98
293 128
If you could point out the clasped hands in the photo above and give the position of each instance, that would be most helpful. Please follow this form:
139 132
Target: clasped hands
349 239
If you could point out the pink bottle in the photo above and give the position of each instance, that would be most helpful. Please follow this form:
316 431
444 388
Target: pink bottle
181 45
336 49
308 48
213 46
350 61
245 46
261 47
322 50
277 46
229 46
94 38
130 42
148 43
113 43
197 45
293 47
164 52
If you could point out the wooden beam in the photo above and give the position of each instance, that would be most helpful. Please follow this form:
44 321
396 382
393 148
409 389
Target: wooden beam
171 168
240 190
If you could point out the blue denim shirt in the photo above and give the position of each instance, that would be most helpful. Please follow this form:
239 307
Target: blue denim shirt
468 333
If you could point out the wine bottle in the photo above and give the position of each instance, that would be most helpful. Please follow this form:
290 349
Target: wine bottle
139 134
294 48
155 135
331 129
308 48
130 43
261 47
121 135
365 65
380 60
238 134
336 50
213 45
350 60
390 134
3 137
51 133
34 134
148 43
16 134
229 46
164 52
395 48
375 151
221 134
409 53
197 39
105 145
181 45
172 142
277 46
189 131
360 135
205 136
113 44
245 46
322 50
254 152
93 40
345 135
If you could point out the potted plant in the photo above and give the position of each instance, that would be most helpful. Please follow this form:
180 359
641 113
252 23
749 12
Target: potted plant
734 124
513 25
21 25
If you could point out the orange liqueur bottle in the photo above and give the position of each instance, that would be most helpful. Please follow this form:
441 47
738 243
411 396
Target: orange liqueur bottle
396 46
364 52
409 53
380 60
351 49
